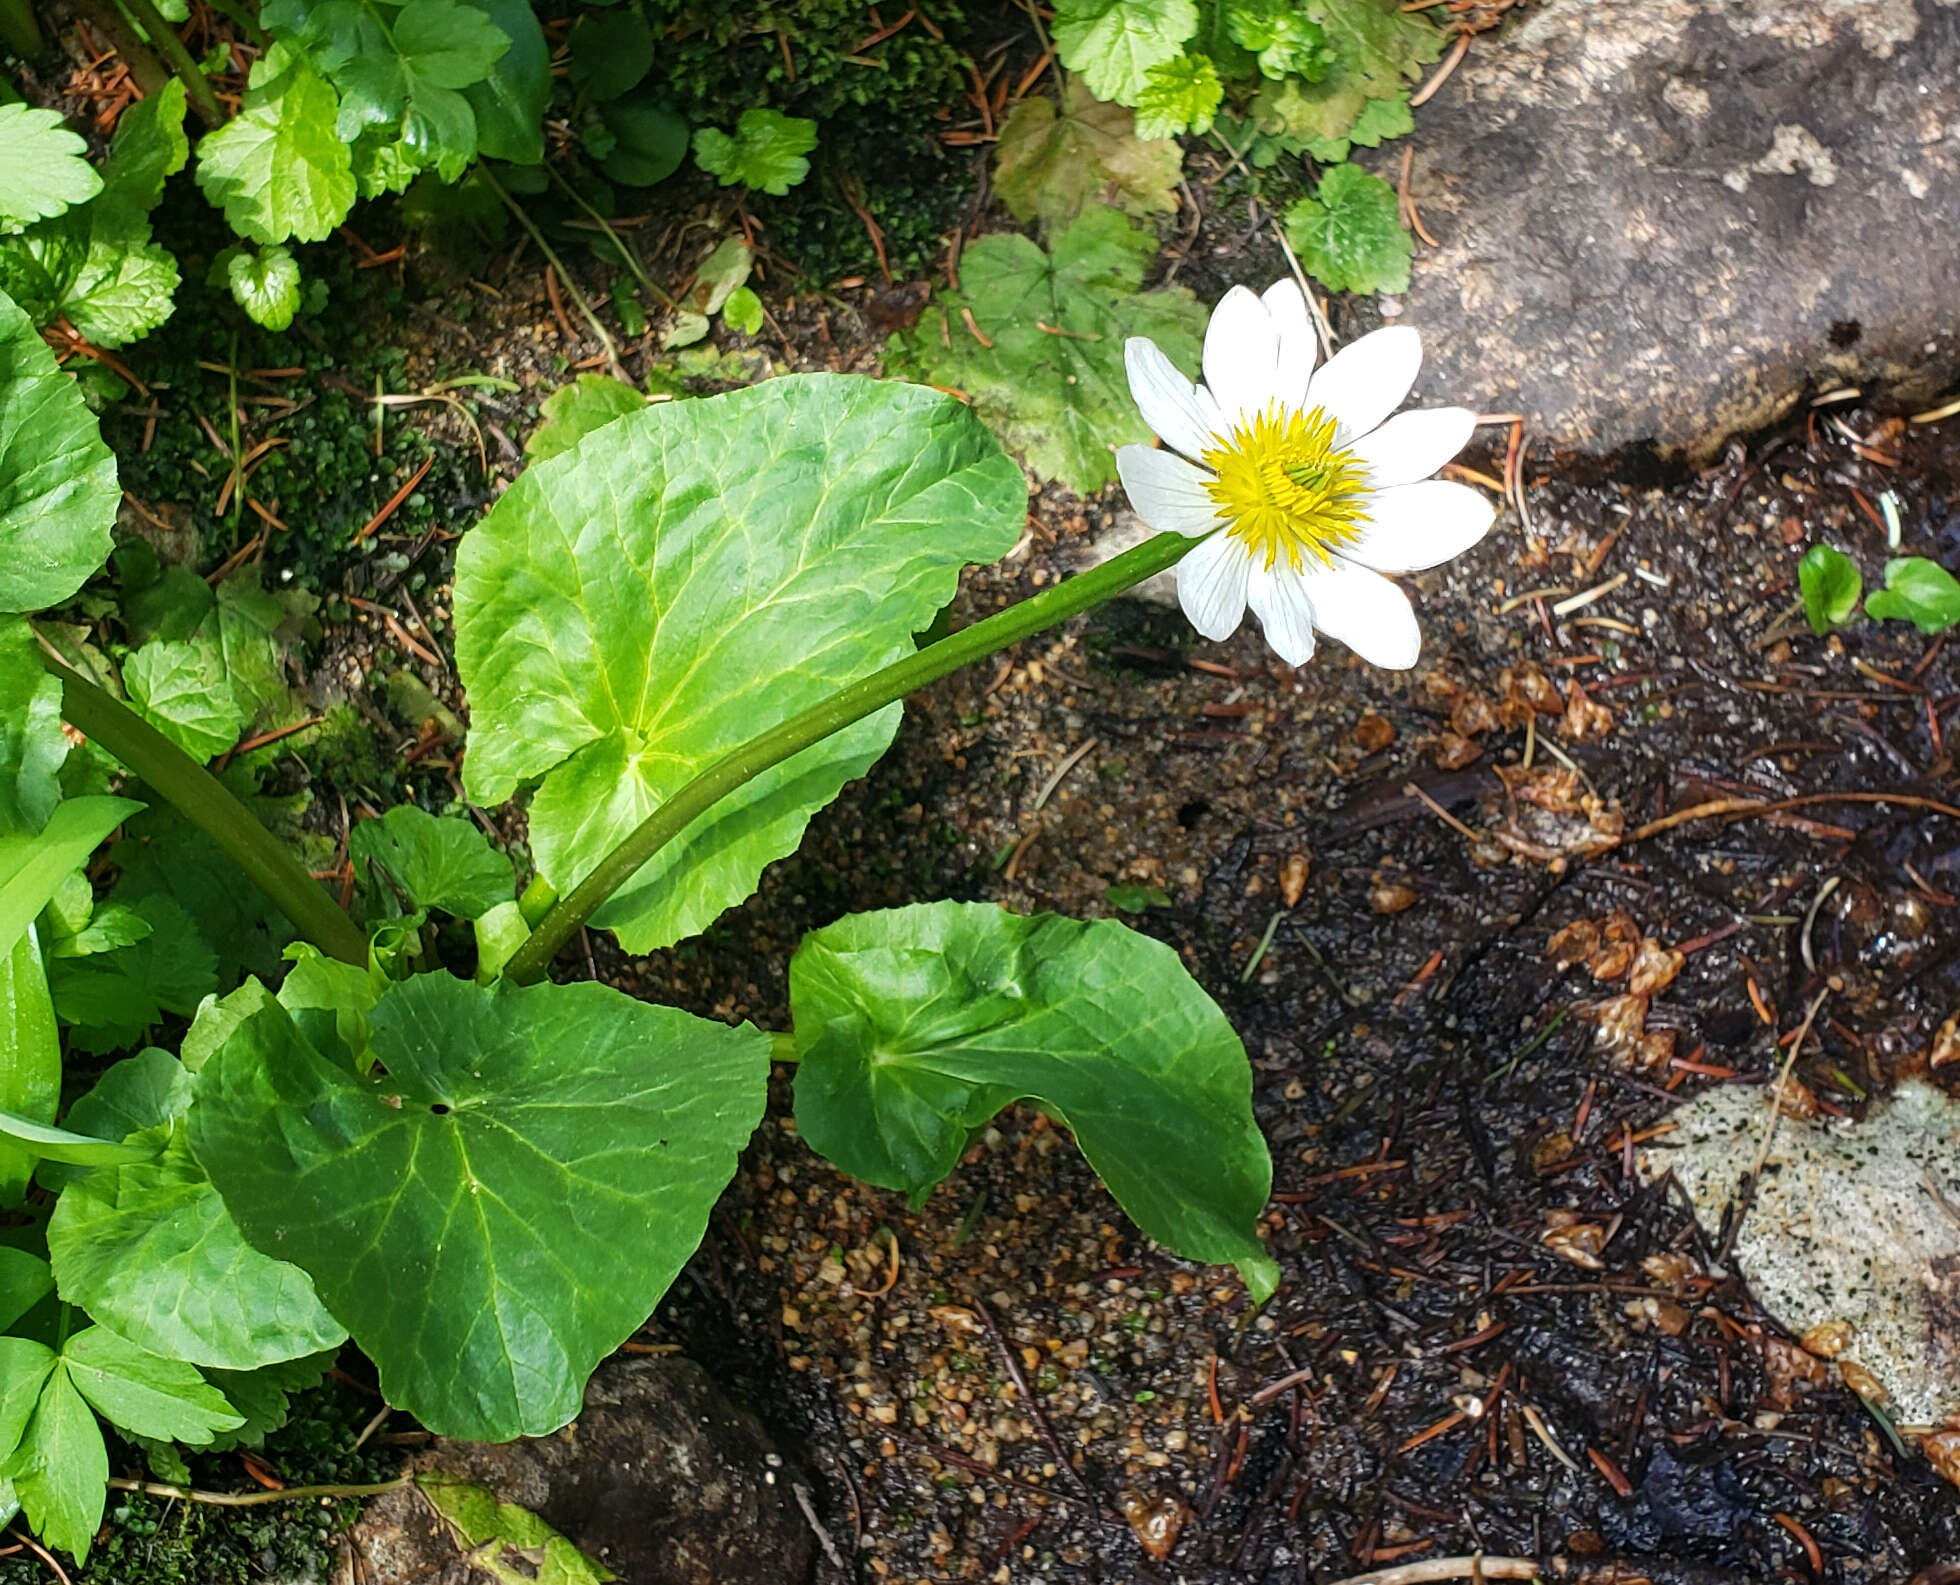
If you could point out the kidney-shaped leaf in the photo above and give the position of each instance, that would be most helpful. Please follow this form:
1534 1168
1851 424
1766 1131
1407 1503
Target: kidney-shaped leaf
58 489
917 1024
691 575
501 1210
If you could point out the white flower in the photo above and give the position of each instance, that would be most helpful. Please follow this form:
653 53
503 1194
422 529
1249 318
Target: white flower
1313 496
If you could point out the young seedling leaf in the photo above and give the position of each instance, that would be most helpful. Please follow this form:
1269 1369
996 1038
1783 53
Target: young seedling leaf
1180 95
692 575
1055 164
532 1173
1113 44
280 169
1830 583
433 862
179 688
43 170
265 284
1036 341
58 491
1918 591
766 153
1280 37
1349 234
149 1249
915 1026
573 411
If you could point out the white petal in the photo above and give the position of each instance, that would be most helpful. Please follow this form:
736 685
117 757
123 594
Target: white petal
1211 585
1241 355
1367 379
1169 403
1367 613
1167 492
1421 525
1278 597
1298 345
1415 444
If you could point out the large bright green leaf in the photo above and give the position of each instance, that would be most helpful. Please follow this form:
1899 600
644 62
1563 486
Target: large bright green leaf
691 575
1114 43
58 489
150 1250
42 169
491 1218
412 859
1051 382
918 1024
280 169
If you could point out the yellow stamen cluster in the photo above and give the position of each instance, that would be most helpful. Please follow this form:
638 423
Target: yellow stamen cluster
1283 490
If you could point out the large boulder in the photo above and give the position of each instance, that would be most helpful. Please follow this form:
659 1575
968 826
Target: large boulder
1670 222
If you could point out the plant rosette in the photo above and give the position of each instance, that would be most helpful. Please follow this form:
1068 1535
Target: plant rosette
1301 489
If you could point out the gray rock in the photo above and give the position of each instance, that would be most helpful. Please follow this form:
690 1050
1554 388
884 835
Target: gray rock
1669 222
661 1478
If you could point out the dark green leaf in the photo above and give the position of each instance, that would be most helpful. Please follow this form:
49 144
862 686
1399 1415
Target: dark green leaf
58 491
530 1175
264 1396
1349 234
112 1000
917 1025
1918 591
25 1280
1058 394
439 863
610 53
649 140
1831 584
150 1250
448 43
690 576
509 104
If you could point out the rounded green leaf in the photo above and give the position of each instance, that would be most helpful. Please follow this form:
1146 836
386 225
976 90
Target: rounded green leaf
1349 234
496 1214
58 489
694 574
1830 583
1917 590
150 1251
917 1025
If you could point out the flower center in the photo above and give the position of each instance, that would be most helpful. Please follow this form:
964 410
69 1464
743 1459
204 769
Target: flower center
1283 489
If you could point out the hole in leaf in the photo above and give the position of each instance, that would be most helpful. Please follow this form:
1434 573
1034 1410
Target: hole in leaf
439 1109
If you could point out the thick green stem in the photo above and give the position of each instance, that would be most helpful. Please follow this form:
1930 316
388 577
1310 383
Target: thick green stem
165 38
206 802
149 72
19 31
860 699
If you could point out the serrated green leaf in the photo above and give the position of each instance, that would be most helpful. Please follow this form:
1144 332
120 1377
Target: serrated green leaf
439 863
1180 95
179 688
692 575
58 490
167 856
266 285
280 169
24 1368
135 1390
112 1000
1377 46
1054 165
149 148
31 743
485 1526
1918 591
573 411
150 1250
1349 234
611 52
1282 39
448 44
264 1396
1052 383
915 1026
60 1470
1114 43
766 153
532 1173
123 291
42 166
1831 583
112 926
1382 120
